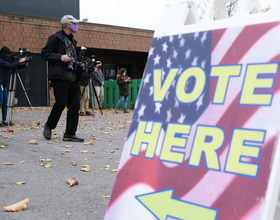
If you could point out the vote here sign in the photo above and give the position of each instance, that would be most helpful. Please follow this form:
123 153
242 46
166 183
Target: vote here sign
205 127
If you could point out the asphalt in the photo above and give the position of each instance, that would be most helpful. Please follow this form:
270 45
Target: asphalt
51 197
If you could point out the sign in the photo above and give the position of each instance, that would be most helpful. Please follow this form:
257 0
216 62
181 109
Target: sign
204 132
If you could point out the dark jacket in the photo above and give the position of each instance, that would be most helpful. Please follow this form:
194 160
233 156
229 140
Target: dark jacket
123 86
5 70
98 78
52 52
85 78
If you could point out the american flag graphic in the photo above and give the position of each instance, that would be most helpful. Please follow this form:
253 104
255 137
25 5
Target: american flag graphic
235 197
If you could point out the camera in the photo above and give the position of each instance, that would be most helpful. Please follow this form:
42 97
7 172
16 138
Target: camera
15 56
77 65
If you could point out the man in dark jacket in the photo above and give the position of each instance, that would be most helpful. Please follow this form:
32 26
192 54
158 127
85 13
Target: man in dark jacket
61 52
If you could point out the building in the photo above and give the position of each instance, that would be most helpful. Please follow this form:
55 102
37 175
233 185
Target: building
29 23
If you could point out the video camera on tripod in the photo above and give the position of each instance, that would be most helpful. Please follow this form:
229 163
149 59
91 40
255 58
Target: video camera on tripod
15 56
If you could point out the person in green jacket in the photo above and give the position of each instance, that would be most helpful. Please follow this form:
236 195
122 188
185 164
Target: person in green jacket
123 80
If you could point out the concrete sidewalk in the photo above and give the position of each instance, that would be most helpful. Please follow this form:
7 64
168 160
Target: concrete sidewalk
51 197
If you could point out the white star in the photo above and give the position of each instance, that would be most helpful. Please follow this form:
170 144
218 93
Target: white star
136 103
173 83
176 103
171 39
167 95
182 118
203 38
188 53
199 102
175 54
203 64
147 78
196 35
151 52
151 90
156 59
158 106
164 47
169 115
168 65
141 111
182 42
163 74
194 62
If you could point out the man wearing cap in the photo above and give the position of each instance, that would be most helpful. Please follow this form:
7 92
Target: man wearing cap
64 80
98 82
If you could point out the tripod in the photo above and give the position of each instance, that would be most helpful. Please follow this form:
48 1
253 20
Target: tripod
92 89
11 96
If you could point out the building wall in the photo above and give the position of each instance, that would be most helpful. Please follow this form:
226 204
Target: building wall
32 33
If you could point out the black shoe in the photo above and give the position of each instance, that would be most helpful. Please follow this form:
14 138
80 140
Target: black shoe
68 137
5 123
47 132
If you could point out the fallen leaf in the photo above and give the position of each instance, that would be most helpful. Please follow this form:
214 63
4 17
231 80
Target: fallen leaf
110 157
32 142
22 162
48 160
65 151
86 159
73 163
85 169
2 146
68 146
84 151
114 170
20 183
106 166
68 213
105 196
50 142
48 165
17 206
9 164
9 130
72 182
91 142
112 151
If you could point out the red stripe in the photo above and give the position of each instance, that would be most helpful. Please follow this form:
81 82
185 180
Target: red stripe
216 37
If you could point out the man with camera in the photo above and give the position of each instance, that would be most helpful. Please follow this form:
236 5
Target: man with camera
98 82
61 53
8 61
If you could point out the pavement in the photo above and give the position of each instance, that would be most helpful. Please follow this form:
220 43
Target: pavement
51 197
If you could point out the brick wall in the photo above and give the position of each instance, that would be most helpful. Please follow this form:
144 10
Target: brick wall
33 34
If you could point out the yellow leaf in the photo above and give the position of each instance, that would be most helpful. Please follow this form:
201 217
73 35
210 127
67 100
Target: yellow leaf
105 196
17 206
2 146
73 163
48 165
20 183
9 164
85 169
22 162
84 151
114 170
68 146
48 160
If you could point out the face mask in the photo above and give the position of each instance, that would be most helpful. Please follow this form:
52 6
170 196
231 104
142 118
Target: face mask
74 27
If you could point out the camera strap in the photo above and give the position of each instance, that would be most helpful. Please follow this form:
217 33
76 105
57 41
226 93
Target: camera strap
70 48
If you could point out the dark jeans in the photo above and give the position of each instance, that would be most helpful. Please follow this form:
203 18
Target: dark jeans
66 93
